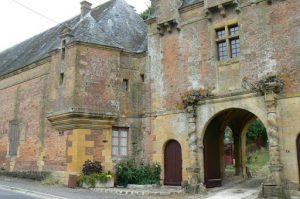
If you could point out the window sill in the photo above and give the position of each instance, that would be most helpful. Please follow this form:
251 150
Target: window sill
229 61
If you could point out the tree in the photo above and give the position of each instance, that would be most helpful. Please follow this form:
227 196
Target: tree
146 14
257 130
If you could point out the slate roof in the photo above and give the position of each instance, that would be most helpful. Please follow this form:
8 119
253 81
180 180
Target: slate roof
189 2
184 4
114 23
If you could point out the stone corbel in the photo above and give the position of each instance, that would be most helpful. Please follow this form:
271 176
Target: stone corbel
222 10
208 14
269 1
237 6
272 1
168 26
177 25
160 29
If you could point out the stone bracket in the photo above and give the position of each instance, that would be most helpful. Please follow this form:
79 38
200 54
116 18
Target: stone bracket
168 26
272 1
211 8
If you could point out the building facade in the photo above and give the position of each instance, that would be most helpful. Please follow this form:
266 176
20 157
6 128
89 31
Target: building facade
226 63
74 92
164 95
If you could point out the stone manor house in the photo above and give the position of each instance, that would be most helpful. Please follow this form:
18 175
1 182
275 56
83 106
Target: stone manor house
106 85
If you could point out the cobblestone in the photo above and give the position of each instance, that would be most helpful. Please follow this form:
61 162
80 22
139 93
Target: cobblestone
164 191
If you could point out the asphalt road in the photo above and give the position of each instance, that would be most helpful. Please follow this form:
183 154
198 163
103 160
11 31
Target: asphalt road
5 194
26 189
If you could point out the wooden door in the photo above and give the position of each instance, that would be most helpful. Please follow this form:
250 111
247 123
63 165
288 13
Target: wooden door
212 156
173 164
298 154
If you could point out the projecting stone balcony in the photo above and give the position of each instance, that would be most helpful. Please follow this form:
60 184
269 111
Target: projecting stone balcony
81 119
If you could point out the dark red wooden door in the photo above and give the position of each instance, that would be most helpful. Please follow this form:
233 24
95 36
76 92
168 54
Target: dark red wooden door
173 163
298 153
212 156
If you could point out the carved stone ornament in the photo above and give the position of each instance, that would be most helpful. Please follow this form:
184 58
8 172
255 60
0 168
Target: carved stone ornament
221 5
168 26
265 85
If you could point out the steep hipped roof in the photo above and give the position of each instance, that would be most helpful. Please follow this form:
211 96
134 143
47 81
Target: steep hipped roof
114 23
189 2
184 4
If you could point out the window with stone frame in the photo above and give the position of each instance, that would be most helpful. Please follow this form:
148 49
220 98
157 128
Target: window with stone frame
14 137
228 42
120 142
125 84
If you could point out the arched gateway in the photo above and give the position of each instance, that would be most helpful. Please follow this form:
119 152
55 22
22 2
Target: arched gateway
239 121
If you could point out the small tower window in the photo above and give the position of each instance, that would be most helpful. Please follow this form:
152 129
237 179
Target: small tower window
61 78
125 84
143 77
63 50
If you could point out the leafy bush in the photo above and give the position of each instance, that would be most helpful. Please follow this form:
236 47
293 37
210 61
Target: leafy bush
50 180
91 173
91 179
130 172
90 167
33 175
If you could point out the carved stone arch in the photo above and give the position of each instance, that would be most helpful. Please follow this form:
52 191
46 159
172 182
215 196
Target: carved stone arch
258 112
207 112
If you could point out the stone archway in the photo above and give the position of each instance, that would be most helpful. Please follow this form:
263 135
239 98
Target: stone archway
238 120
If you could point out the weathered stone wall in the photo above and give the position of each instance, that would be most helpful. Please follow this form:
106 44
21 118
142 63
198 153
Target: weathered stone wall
92 82
186 59
96 80
24 99
270 41
288 120
62 89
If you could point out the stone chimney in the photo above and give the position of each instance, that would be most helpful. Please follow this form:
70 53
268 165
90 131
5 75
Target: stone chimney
86 7
153 6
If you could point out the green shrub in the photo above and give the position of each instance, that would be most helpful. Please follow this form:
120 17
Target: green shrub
50 180
130 172
91 173
90 167
33 175
91 179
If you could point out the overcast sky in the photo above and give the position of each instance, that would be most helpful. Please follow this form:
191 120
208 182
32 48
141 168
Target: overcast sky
22 19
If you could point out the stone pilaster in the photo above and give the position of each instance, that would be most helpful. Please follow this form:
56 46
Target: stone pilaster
272 129
273 187
195 186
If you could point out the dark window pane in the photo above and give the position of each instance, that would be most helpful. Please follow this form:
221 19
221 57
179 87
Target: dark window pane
221 33
125 84
234 30
222 50
14 135
120 142
235 47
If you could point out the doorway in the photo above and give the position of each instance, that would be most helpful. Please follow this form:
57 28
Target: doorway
225 145
172 163
298 154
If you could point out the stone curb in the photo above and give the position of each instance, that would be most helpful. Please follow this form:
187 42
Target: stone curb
30 193
138 192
